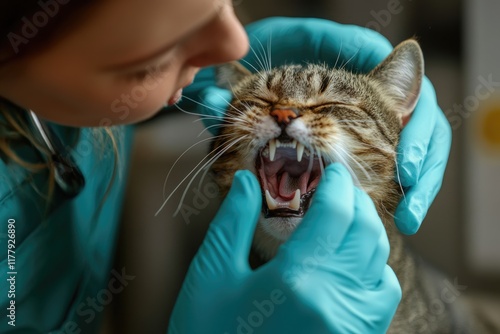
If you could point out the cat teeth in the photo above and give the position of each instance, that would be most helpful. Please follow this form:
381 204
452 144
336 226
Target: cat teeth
271 202
279 143
294 204
300 152
276 143
272 149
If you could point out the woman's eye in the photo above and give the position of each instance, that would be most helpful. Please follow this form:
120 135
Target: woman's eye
150 71
139 75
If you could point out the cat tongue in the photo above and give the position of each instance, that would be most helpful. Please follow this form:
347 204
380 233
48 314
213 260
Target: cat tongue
288 185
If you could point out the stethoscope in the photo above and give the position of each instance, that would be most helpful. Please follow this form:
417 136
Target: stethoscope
67 175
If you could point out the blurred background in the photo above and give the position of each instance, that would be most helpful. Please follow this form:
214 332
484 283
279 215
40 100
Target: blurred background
459 235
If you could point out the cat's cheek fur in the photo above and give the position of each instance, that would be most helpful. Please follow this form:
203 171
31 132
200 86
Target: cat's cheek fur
264 131
300 131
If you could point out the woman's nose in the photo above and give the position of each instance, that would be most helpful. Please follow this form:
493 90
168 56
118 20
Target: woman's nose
224 40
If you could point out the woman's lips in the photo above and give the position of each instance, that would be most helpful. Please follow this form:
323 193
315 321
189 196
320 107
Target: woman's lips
178 94
176 97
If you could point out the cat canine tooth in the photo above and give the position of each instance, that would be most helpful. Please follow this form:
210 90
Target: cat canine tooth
271 203
300 151
272 149
295 203
294 143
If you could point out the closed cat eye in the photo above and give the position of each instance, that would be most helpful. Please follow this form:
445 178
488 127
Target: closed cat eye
254 103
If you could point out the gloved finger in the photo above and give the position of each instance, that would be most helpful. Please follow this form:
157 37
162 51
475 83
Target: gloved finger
388 296
229 237
416 136
328 219
212 107
362 240
414 206
378 261
314 40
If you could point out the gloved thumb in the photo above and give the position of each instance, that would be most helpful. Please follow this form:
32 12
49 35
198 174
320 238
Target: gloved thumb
231 232
213 105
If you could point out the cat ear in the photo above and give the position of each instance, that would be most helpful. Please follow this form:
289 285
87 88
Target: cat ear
228 75
400 76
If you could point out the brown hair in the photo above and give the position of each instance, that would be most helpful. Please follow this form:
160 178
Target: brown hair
27 27
30 25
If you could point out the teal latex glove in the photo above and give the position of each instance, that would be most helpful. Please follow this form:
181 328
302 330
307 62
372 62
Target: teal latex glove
331 276
425 142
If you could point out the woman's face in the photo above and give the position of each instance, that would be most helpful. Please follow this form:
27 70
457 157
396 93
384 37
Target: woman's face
125 61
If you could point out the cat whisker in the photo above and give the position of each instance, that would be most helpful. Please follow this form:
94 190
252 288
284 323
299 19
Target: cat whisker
382 206
203 117
262 53
171 169
183 153
207 164
349 60
220 111
380 148
354 121
207 128
250 64
338 56
206 117
263 61
182 181
353 158
399 180
259 73
238 126
230 121
259 61
229 103
320 159
340 158
269 53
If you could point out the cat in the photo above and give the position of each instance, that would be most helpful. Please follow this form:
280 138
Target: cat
286 124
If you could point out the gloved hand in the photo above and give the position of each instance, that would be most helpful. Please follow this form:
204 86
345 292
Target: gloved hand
426 139
331 276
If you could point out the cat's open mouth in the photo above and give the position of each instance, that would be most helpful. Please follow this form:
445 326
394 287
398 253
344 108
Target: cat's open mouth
289 174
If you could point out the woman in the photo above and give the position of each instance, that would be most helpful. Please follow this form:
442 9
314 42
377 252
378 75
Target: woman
86 68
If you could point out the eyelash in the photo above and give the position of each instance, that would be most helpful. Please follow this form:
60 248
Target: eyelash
141 75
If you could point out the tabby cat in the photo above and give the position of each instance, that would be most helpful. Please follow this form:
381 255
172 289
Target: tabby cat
286 124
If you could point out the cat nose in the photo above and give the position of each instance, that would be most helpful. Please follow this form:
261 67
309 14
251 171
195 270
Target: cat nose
284 116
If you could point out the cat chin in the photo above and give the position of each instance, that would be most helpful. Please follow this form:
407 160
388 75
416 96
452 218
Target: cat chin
280 228
271 233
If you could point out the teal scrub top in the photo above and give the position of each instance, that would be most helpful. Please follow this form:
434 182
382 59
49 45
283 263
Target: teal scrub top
63 257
